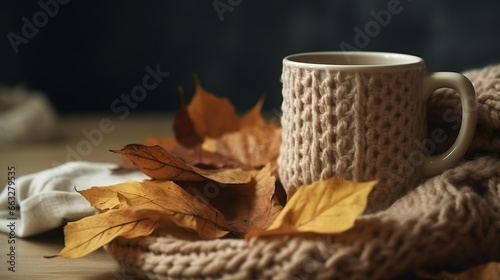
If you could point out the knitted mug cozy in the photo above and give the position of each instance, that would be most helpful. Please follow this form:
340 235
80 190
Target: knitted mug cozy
359 126
450 221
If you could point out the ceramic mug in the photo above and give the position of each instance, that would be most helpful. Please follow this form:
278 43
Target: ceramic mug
362 116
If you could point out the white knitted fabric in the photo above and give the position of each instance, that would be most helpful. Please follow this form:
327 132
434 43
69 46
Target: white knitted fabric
356 126
450 221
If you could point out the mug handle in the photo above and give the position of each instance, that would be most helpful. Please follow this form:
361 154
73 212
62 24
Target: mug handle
436 164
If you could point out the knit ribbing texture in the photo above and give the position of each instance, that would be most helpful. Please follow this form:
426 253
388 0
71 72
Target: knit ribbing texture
359 126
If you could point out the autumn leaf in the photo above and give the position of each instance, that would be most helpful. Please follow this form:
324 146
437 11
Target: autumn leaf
166 197
252 146
195 156
209 117
254 116
324 207
157 163
90 233
184 127
133 209
250 205
212 116
103 198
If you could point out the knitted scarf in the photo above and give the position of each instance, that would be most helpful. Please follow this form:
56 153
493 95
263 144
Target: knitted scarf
449 222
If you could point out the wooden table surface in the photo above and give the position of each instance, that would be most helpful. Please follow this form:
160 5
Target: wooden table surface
37 156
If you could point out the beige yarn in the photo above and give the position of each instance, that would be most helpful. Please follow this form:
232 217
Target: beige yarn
356 126
451 221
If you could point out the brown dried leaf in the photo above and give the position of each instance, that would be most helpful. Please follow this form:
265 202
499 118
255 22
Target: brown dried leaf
252 146
184 127
251 205
194 156
157 163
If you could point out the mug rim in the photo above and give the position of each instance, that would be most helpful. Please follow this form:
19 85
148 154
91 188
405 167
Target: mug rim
331 60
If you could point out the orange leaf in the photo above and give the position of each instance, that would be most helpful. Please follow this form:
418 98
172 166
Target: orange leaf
252 146
323 207
157 163
212 115
254 116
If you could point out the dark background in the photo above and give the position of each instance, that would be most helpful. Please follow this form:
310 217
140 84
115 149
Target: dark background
91 52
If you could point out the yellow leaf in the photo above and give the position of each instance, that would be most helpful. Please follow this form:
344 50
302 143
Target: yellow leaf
159 164
102 198
90 233
167 198
134 209
324 207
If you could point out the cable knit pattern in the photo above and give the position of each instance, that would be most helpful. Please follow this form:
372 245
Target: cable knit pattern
357 126
450 221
